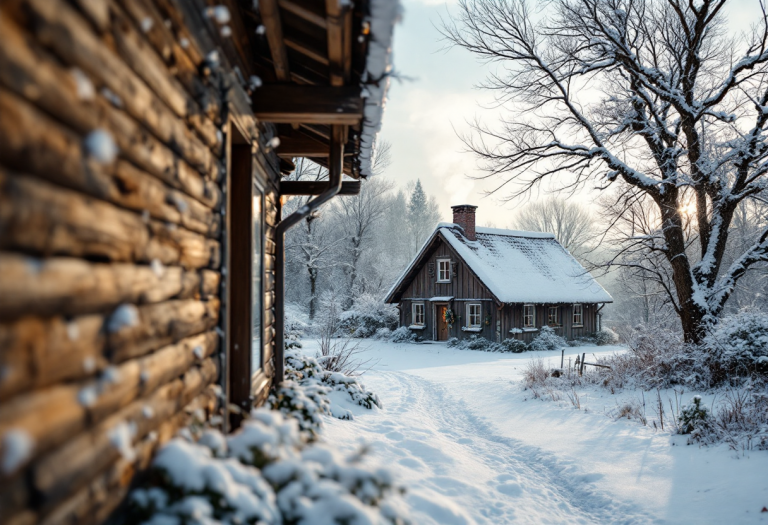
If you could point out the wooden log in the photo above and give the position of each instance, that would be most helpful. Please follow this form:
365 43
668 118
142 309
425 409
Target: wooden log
161 324
68 468
139 377
177 58
295 104
37 144
64 32
103 494
37 353
42 419
64 286
15 497
141 58
36 216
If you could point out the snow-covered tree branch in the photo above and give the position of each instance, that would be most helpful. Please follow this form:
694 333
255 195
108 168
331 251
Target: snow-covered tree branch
650 97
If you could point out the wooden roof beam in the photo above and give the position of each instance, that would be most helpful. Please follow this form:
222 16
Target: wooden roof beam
303 12
339 23
270 15
297 104
303 187
306 50
302 147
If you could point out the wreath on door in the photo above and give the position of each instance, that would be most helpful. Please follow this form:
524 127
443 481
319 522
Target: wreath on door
449 317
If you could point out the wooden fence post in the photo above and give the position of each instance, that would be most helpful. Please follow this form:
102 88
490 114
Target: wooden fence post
581 367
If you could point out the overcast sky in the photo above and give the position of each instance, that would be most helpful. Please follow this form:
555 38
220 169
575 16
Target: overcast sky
424 115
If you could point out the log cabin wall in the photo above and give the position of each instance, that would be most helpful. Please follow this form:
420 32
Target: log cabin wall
111 266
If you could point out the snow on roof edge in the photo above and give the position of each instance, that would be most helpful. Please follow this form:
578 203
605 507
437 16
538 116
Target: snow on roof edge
475 264
383 14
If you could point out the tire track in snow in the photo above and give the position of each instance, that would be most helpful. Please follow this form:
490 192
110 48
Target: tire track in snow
554 490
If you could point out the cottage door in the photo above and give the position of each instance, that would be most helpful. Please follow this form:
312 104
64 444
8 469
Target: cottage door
442 326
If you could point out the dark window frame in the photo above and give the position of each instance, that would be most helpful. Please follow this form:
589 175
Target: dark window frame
245 179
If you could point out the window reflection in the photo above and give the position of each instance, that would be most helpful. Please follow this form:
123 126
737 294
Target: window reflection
257 309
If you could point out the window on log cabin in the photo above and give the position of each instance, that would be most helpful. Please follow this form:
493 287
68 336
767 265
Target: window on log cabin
578 315
443 270
473 315
553 318
529 316
257 292
418 314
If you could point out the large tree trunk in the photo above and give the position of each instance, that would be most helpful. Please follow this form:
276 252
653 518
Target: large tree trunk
691 313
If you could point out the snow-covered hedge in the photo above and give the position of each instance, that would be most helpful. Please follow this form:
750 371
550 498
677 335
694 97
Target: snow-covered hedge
547 340
367 316
738 346
304 394
265 473
403 335
476 342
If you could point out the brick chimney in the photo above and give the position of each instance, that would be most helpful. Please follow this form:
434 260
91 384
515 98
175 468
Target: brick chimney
464 216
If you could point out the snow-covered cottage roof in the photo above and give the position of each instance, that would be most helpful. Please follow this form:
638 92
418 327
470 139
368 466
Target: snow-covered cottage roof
516 266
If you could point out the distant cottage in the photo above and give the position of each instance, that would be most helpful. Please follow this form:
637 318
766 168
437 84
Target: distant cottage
495 283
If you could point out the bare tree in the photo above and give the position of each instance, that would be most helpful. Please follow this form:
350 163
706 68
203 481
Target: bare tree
570 222
313 242
359 214
648 95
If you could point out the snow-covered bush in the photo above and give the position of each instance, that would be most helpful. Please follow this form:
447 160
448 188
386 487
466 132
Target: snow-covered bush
476 342
296 325
383 334
265 473
368 315
514 346
404 335
304 395
693 416
305 402
738 346
547 340
606 336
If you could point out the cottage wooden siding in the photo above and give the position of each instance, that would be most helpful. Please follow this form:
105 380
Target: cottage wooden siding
143 236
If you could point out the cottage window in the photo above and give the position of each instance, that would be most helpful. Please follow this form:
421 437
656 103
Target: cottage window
418 314
529 316
553 319
578 315
443 270
473 315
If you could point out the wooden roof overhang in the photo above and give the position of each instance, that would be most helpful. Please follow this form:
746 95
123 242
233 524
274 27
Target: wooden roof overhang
311 57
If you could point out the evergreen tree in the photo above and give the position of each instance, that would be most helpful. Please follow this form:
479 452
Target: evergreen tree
422 215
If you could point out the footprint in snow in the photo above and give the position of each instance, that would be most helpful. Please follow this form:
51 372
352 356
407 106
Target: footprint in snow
511 489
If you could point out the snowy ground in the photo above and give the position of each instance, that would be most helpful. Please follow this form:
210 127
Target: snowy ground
473 447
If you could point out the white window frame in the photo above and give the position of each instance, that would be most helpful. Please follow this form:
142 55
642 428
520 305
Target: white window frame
556 310
478 314
440 278
532 316
580 315
415 316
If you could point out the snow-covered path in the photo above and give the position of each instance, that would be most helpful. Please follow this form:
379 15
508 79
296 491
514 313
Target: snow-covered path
494 478
460 434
